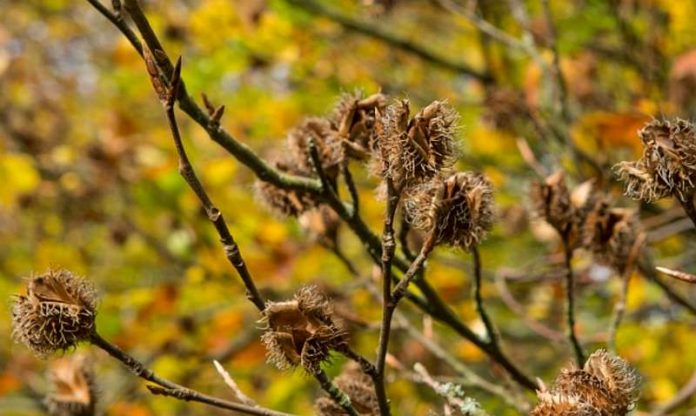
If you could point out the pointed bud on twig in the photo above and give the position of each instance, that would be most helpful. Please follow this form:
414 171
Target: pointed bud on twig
217 116
208 105
174 84
116 5
155 75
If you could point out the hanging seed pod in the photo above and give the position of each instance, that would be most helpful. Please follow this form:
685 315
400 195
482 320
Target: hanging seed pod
412 151
301 332
605 386
57 312
668 164
612 235
457 209
354 120
551 202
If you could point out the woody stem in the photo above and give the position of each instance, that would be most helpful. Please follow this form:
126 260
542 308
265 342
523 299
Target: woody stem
169 388
570 301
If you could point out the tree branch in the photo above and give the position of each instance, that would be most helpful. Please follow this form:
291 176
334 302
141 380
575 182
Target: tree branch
431 302
388 306
570 302
169 388
487 322
230 246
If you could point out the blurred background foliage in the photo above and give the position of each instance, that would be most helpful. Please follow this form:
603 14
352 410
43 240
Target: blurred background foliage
89 183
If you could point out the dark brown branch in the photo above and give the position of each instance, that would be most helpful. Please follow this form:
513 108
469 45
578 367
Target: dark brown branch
352 190
230 246
365 365
240 151
404 229
376 32
388 306
478 299
169 388
570 301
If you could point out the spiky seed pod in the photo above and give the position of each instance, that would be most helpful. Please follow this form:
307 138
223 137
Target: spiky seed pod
612 235
301 331
322 225
73 391
327 142
618 376
551 202
358 386
57 312
416 150
605 386
591 389
668 163
284 202
562 405
354 120
458 209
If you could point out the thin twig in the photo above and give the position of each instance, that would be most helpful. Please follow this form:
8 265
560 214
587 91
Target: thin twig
470 377
618 313
227 378
352 189
570 301
418 263
683 276
620 306
517 308
404 229
230 246
169 388
388 250
647 268
478 299
365 365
